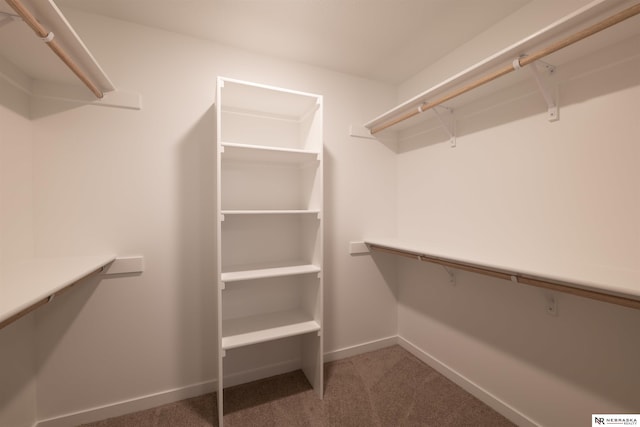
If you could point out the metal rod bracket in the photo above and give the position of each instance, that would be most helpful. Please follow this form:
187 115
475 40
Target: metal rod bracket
550 99
448 125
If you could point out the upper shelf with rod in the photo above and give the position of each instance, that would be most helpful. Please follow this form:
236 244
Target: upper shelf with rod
42 55
595 26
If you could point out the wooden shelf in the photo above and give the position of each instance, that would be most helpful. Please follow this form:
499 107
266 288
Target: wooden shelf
263 273
589 281
267 327
586 16
29 283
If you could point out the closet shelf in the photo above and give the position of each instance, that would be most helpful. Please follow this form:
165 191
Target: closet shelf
27 284
270 154
263 273
465 86
595 282
266 327
42 55
271 212
263 101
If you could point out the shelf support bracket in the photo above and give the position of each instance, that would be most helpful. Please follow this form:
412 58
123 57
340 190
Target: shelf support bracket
552 104
449 127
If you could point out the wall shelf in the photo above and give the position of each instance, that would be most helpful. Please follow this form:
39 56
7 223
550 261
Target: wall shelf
268 327
27 284
588 281
263 273
258 153
271 212
562 29
28 64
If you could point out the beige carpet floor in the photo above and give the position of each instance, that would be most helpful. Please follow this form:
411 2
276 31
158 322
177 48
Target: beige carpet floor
387 387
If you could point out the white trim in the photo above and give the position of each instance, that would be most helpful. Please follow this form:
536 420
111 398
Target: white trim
128 406
465 383
365 347
161 398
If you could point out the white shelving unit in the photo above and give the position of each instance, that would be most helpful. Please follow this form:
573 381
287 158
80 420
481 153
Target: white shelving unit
269 202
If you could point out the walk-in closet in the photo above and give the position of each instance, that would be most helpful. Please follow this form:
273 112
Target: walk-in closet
336 212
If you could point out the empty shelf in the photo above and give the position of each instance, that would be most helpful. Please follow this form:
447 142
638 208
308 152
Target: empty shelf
269 272
552 40
267 327
270 211
610 285
29 283
246 152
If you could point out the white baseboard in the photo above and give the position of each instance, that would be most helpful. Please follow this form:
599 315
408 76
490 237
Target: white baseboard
366 347
130 405
476 390
156 399
152 400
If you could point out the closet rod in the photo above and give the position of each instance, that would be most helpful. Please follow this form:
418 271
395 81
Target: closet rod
537 281
517 64
49 38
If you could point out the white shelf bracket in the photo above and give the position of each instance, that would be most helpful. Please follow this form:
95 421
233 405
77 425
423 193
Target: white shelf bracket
449 127
222 286
356 131
549 97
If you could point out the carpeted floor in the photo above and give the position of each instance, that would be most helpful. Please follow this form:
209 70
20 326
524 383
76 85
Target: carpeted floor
387 387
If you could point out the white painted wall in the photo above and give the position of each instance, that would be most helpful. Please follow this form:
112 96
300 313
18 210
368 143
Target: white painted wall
518 190
142 182
17 345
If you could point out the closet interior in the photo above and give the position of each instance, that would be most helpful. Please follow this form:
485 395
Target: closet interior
230 228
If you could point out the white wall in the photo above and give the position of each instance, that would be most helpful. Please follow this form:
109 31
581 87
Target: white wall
520 190
143 182
17 345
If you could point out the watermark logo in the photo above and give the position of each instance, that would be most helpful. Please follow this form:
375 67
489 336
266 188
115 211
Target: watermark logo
598 420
